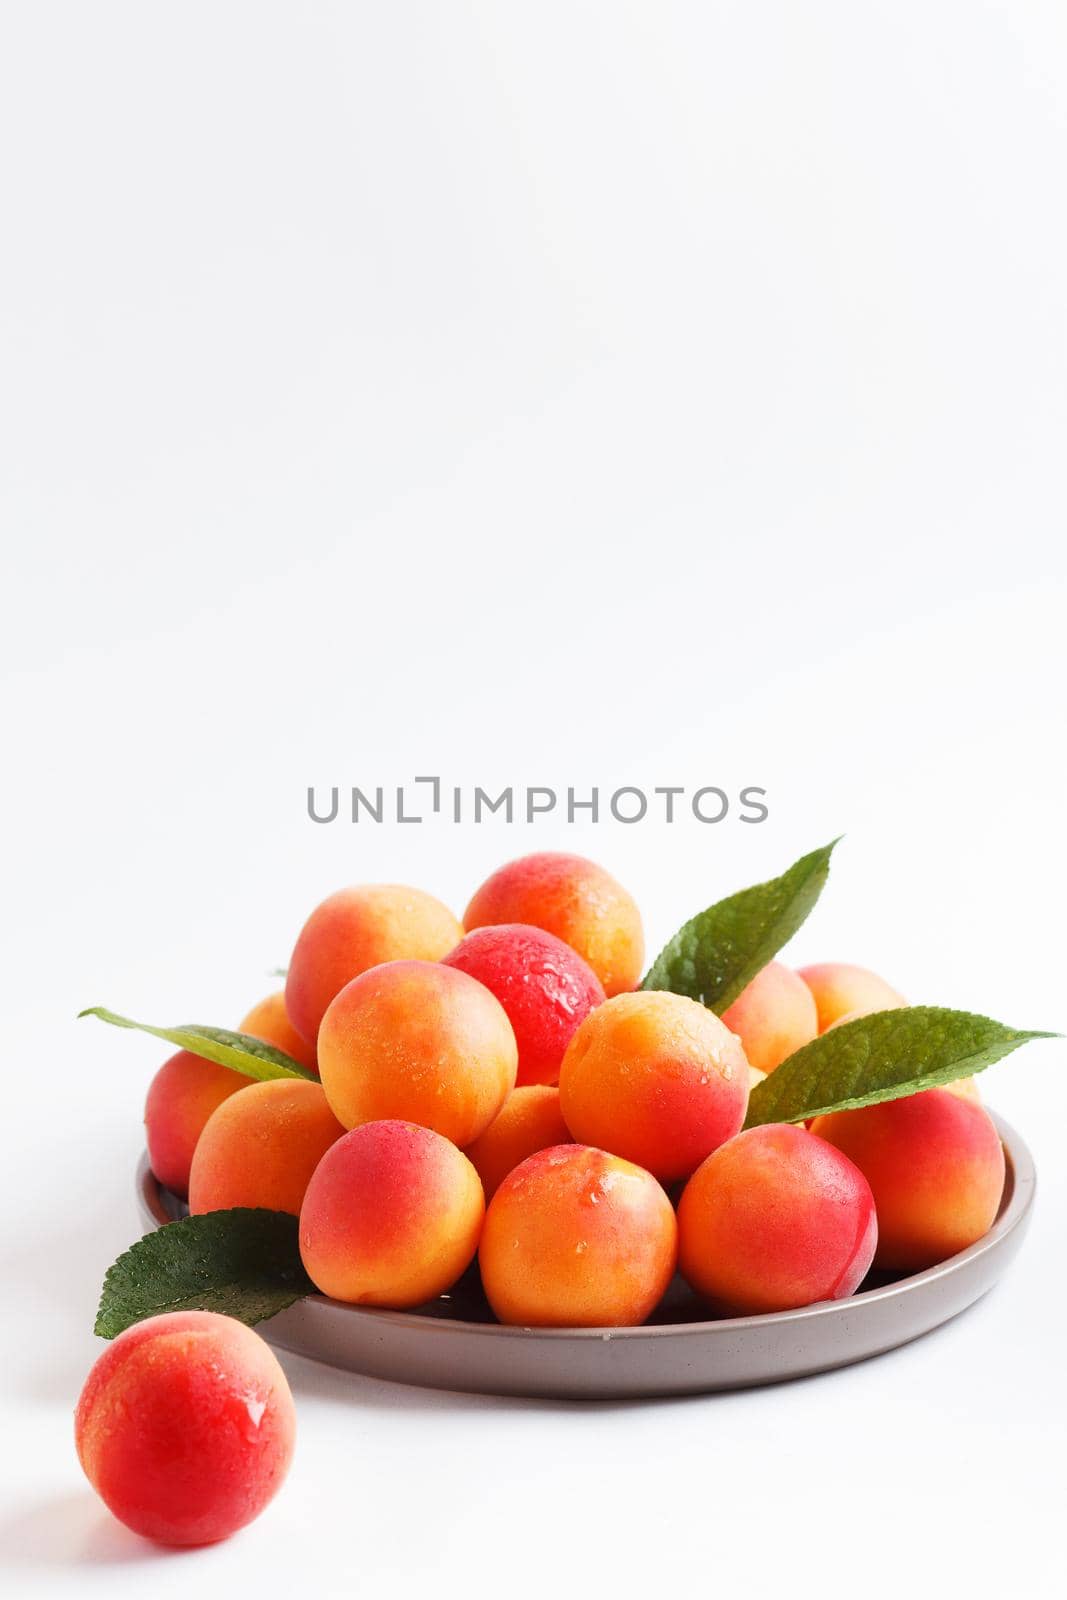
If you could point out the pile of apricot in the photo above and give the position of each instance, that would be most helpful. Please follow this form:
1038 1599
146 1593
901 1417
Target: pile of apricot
503 1089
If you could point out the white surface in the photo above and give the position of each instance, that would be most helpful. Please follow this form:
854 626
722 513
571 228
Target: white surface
567 394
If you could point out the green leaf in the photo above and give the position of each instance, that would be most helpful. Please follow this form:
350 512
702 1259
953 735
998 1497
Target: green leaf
881 1057
237 1050
243 1263
719 951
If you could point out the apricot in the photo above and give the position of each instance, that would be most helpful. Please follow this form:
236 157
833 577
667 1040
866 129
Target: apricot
773 1016
356 929
840 989
391 1217
185 1427
181 1097
418 1041
935 1163
260 1148
577 901
776 1219
577 1238
544 986
269 1021
656 1078
530 1120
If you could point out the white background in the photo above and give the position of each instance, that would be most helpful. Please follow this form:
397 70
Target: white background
573 393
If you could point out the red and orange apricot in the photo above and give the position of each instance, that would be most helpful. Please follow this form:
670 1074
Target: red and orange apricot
530 1120
259 1148
656 1078
391 1217
577 901
773 1016
421 1042
577 1238
359 928
269 1021
841 990
185 1427
936 1166
775 1219
544 986
181 1097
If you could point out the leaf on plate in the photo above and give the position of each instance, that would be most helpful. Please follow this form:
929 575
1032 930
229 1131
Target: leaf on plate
719 951
243 1263
240 1051
881 1057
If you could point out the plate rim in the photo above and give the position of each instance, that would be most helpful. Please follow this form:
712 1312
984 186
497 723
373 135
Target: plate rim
1020 1171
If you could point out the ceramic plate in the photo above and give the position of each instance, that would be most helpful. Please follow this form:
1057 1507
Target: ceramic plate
453 1342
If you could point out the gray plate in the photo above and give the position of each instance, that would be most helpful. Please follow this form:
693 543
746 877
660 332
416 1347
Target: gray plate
453 1343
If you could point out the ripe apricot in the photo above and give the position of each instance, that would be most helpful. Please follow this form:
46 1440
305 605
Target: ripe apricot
359 928
773 1016
840 989
577 1238
529 1120
935 1163
421 1042
259 1148
544 986
181 1097
775 1219
269 1021
577 901
391 1217
656 1078
185 1427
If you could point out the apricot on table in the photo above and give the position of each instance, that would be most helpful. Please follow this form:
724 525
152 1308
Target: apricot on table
530 1120
657 1078
840 990
185 1427
391 1217
936 1166
577 901
269 1021
359 928
181 1097
577 1238
773 1016
260 1148
544 986
776 1219
421 1042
